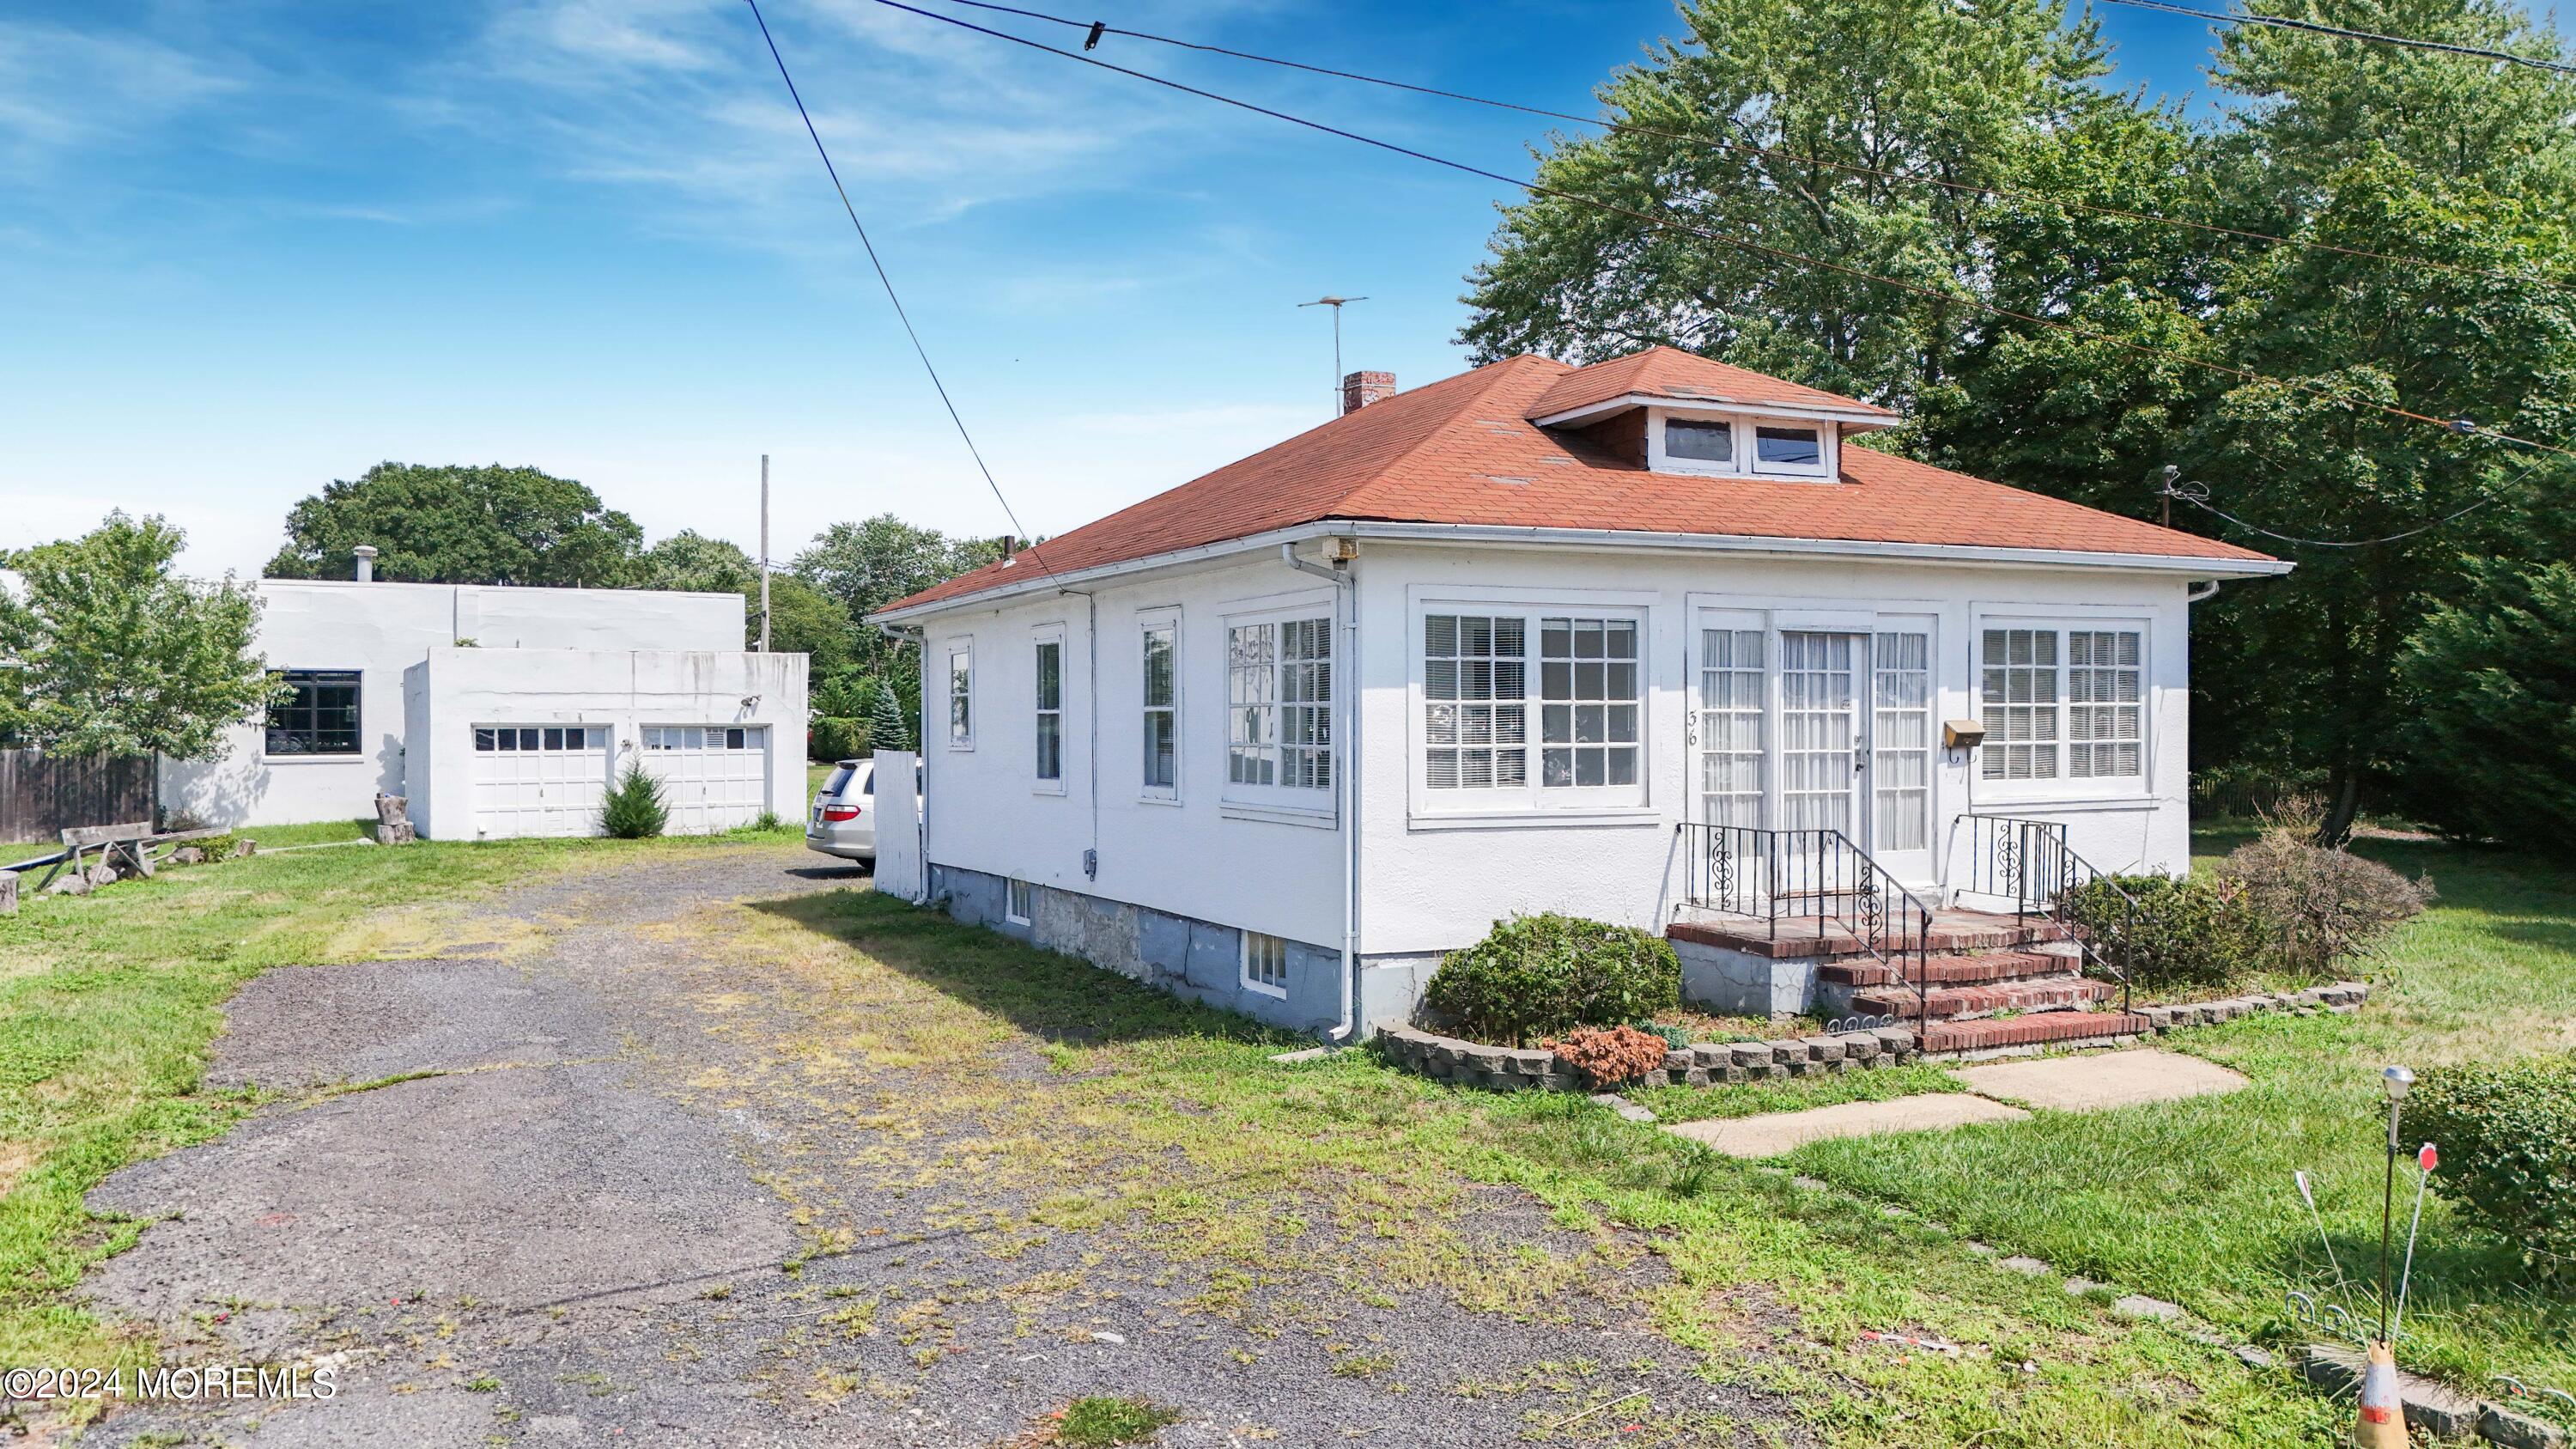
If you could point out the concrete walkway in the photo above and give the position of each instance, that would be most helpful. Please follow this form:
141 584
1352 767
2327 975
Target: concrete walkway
1775 1133
1997 1092
2092 1083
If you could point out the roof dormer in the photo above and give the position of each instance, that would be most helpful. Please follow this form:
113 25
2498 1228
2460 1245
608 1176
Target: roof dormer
1674 412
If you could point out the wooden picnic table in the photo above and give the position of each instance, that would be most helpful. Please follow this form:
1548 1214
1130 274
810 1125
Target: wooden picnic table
134 841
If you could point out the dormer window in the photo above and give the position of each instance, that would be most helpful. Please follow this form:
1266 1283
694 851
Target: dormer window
1700 442
1745 446
1788 450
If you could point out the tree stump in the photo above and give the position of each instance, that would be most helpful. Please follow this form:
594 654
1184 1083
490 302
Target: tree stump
393 820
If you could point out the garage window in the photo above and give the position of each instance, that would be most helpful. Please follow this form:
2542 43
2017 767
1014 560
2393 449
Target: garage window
540 737
701 737
318 715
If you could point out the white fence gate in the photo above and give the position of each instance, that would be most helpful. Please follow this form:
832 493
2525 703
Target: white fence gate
901 871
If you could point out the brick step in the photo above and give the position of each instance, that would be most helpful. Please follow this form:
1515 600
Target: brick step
1949 970
2048 1027
1800 940
2046 993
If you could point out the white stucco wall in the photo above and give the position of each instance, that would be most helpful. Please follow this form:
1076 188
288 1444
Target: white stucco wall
453 690
1193 856
381 629
1431 881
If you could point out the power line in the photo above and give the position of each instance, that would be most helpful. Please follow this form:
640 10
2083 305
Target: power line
2338 32
1537 188
1747 148
2197 495
888 282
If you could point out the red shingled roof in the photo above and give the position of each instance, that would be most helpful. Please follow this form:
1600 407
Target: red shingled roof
1463 450
1667 372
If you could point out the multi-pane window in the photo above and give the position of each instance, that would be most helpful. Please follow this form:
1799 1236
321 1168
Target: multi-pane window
1279 699
1731 685
1900 756
1475 692
1162 710
1588 701
1488 678
2018 681
2062 704
1265 963
2103 727
961 698
1050 709
318 716
1018 902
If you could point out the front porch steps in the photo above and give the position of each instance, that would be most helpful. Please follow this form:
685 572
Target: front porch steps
2063 992
1998 984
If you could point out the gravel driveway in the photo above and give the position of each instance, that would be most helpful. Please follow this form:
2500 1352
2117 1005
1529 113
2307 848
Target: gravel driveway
566 1199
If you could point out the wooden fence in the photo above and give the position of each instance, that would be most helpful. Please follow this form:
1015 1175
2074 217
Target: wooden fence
42 795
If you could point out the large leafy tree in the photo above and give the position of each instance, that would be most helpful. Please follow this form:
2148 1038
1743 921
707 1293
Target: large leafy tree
1823 128
113 654
866 565
461 525
2497 673
802 619
2134 337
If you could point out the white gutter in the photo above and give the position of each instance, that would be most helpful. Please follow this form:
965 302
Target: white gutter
1501 535
1346 693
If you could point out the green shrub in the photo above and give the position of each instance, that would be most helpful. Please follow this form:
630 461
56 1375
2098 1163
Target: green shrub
1547 974
2313 906
2507 1134
836 737
1103 1421
634 808
2183 933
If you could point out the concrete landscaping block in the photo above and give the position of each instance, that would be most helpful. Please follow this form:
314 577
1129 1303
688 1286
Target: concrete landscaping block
1677 1061
2139 1305
1823 1048
1858 1046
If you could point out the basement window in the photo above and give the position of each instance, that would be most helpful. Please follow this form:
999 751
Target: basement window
1018 903
1265 964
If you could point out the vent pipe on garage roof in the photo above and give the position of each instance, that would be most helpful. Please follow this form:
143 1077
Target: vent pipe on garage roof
366 553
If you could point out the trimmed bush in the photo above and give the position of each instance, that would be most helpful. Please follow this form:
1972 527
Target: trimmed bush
2507 1134
2187 932
1605 1056
835 737
634 808
1547 974
2315 906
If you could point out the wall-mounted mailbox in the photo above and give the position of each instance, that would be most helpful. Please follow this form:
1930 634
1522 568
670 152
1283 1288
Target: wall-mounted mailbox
1962 734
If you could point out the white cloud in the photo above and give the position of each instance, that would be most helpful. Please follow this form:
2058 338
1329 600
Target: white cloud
62 90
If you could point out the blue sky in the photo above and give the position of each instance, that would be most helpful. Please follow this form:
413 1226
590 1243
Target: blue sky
248 247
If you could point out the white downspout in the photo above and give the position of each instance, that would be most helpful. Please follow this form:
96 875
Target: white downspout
1346 605
2205 589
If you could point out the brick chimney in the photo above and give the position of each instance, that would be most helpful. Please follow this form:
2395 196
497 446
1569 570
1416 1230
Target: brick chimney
1362 388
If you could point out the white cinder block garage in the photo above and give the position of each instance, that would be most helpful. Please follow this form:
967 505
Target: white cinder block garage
504 712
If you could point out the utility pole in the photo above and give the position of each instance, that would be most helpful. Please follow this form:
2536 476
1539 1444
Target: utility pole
764 553
1337 304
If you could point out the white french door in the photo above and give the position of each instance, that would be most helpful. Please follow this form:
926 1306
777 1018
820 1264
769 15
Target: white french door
1796 729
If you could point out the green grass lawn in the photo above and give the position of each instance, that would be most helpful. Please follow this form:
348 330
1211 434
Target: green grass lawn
108 1002
1169 1122
2194 1201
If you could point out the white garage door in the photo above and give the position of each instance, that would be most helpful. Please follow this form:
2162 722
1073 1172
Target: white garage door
714 777
539 779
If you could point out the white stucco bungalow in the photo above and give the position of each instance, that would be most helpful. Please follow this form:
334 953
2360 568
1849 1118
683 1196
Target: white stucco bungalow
1538 637
504 712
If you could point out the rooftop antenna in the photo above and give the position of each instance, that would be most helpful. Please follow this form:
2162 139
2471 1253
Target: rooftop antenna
1337 304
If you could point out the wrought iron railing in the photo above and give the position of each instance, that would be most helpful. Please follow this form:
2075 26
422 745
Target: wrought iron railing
2029 863
1811 877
